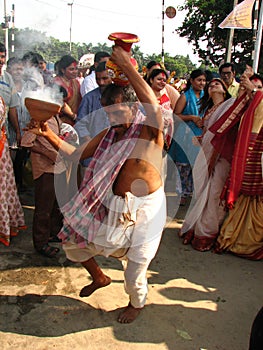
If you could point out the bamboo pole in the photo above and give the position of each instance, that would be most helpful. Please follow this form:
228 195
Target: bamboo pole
230 39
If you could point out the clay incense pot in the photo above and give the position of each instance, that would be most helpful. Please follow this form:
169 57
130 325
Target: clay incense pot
40 110
125 40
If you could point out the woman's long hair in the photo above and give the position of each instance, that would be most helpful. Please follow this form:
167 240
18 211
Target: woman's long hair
64 62
194 74
206 101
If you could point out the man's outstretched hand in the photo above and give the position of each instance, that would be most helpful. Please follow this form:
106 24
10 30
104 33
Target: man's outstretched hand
37 128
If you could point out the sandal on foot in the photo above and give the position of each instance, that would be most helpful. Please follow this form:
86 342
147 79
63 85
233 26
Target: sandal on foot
48 251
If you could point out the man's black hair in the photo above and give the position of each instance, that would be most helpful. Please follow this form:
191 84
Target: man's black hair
113 91
99 55
101 67
227 65
13 60
32 58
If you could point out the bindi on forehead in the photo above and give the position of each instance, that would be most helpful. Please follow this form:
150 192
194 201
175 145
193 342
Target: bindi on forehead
257 83
161 76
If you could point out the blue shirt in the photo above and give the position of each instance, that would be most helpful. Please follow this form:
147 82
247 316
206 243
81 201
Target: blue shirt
91 117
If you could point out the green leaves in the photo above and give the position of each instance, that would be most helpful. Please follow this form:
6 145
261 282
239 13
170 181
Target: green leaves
200 26
52 49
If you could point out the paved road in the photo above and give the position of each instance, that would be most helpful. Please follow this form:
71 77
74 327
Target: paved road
196 300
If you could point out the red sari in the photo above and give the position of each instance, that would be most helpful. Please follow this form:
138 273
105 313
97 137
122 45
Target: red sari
242 231
72 88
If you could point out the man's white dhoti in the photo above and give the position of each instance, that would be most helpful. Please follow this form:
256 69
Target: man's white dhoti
131 231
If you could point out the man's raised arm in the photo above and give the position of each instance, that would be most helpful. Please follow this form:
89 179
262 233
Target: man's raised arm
143 91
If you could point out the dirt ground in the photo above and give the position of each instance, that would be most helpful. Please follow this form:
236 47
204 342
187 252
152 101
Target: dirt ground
196 300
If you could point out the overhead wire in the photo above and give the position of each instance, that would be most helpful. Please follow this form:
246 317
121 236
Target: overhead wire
100 10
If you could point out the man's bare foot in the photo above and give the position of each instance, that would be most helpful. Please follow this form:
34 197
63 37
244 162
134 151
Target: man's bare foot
89 289
129 314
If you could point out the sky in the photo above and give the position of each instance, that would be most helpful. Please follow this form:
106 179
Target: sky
93 21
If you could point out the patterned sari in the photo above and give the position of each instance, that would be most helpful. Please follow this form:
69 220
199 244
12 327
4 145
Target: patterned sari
11 212
204 217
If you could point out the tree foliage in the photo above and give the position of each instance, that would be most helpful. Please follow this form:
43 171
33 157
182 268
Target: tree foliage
200 27
52 50
178 64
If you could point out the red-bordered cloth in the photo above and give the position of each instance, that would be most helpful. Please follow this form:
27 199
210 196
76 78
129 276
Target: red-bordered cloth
73 98
167 114
2 128
231 140
2 140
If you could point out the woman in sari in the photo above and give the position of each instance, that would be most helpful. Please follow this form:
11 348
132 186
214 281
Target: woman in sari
188 124
157 81
67 79
11 212
202 222
242 230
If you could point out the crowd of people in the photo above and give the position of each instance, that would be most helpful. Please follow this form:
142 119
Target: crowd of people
117 140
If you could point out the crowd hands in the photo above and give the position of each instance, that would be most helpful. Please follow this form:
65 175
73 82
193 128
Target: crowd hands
186 125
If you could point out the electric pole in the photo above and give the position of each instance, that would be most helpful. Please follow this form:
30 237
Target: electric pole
13 30
5 26
70 26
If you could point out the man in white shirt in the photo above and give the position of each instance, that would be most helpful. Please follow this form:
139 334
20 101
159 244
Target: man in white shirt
89 83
